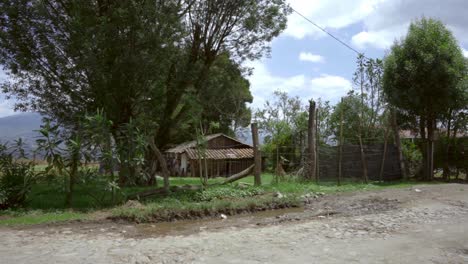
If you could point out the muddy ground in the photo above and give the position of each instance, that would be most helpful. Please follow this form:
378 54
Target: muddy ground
422 224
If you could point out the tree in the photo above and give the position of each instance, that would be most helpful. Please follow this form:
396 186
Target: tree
243 29
284 121
422 77
226 96
132 59
351 106
66 58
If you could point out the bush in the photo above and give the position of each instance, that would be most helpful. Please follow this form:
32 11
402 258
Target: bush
15 179
226 193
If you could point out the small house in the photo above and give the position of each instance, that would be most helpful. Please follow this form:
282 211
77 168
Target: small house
224 156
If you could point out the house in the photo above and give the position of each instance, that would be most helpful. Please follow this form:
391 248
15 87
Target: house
225 156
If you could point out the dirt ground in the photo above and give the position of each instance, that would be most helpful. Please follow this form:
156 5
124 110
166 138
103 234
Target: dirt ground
422 224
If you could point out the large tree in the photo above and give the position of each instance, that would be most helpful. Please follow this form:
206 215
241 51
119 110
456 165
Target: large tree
243 29
65 58
127 57
422 76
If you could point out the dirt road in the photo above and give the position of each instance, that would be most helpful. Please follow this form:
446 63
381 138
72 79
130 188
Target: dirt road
423 224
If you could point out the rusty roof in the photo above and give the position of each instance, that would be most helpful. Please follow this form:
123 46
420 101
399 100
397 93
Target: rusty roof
193 144
219 154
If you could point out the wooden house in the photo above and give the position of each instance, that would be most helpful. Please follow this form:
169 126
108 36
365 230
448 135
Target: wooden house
224 155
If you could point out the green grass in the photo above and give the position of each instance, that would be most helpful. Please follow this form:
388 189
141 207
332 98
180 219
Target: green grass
39 217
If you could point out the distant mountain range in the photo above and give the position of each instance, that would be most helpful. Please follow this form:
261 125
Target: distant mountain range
21 126
24 126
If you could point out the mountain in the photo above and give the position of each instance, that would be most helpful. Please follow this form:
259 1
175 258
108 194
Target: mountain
20 126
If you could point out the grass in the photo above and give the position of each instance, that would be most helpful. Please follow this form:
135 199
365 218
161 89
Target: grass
46 200
39 217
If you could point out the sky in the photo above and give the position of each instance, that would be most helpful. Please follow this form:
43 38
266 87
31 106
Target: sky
306 62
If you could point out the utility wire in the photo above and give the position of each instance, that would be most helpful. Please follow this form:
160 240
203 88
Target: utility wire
328 33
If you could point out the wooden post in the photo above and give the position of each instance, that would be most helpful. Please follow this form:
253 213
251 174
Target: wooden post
257 155
317 146
396 131
340 149
382 164
277 164
311 142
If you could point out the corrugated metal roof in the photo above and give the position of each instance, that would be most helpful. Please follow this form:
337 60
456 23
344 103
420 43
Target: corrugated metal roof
192 144
217 154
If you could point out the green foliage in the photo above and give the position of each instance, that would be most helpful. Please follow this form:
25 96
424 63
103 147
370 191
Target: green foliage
39 217
351 108
411 151
16 176
424 70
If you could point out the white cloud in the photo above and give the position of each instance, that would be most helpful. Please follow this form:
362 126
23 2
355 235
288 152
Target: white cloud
330 14
390 19
307 56
263 84
465 53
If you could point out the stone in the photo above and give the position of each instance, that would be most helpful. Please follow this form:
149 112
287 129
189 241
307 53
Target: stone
223 216
278 195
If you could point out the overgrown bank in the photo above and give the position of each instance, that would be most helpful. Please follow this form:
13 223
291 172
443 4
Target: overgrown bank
231 199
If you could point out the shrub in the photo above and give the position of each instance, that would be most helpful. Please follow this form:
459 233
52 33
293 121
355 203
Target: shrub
15 179
227 192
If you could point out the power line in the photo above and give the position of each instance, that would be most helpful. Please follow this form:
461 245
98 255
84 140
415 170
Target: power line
328 33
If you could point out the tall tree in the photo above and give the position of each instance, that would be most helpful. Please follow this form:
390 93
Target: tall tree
243 29
422 76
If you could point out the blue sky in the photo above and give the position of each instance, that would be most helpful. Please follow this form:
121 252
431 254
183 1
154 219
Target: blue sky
306 62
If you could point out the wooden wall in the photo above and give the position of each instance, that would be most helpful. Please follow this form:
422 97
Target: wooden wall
220 168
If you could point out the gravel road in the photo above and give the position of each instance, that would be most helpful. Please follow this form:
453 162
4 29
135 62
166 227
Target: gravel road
422 224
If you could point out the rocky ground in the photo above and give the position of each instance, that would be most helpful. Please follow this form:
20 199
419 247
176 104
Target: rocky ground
423 224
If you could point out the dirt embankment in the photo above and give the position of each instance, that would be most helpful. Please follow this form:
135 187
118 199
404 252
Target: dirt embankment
424 224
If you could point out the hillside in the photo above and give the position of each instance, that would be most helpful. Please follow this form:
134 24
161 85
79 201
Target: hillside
20 126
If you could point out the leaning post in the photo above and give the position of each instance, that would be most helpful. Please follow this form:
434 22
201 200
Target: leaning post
257 156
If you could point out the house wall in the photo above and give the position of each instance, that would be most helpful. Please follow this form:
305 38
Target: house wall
183 164
220 168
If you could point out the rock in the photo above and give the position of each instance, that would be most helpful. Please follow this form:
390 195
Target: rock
133 204
223 216
417 190
278 195
67 232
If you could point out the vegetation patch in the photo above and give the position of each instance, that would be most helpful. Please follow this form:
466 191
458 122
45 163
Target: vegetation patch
172 210
14 218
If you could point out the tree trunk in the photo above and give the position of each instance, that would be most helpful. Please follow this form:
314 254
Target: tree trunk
162 162
363 161
447 148
311 142
72 177
396 131
422 131
430 148
257 156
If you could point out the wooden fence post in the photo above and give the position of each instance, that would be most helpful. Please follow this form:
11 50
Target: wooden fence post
317 146
340 149
382 164
311 142
396 131
257 156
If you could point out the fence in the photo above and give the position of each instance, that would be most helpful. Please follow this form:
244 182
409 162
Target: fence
351 165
